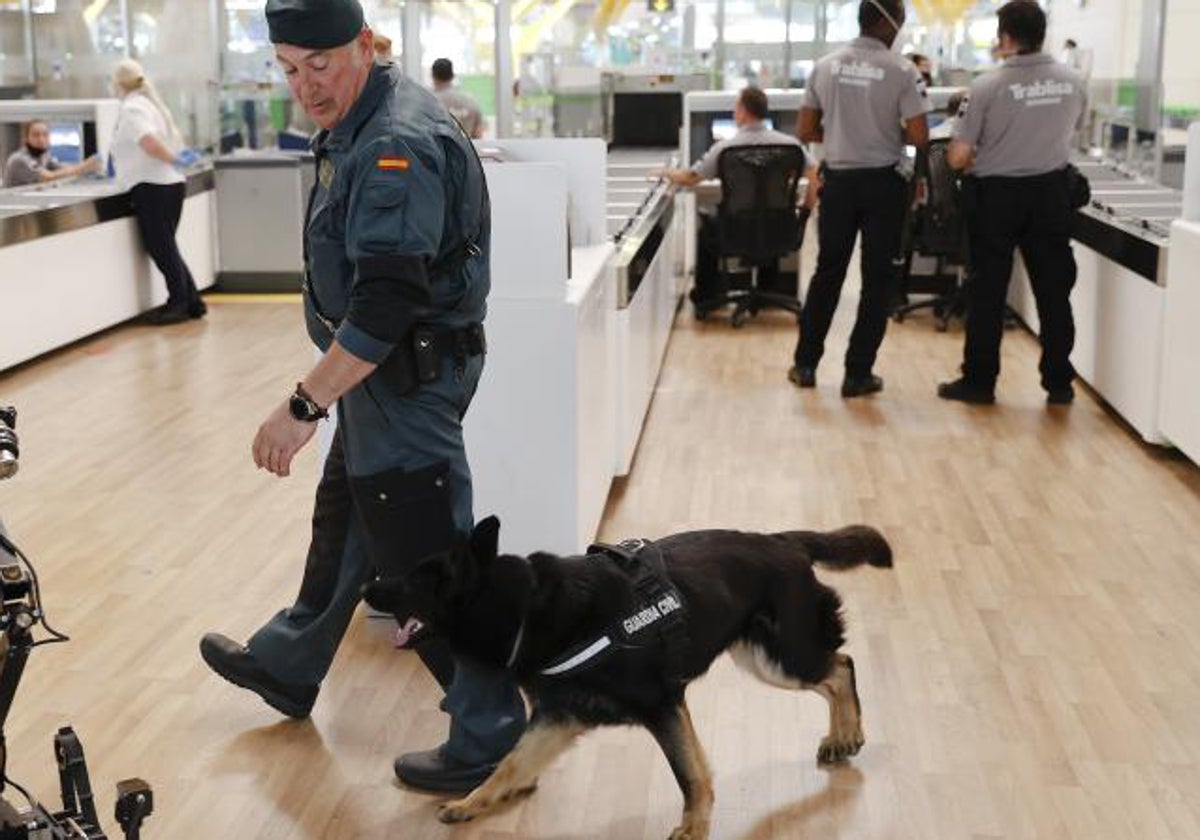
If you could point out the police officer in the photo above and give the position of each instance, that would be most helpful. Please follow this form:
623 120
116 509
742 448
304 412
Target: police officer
1016 138
396 241
863 102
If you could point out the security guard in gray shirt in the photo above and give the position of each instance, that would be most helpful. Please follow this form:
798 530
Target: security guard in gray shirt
396 254
863 102
1015 138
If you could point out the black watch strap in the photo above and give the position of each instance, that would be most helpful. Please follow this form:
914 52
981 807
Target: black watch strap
304 408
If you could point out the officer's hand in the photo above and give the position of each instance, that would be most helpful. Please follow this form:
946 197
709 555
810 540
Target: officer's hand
278 440
921 193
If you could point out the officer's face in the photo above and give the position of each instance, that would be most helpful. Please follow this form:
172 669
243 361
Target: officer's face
326 83
38 137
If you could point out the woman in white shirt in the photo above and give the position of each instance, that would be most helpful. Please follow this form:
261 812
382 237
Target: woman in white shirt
146 166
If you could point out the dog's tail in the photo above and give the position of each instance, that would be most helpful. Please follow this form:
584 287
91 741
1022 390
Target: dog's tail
845 548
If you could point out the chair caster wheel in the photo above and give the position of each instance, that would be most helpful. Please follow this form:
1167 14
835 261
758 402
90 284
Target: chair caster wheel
898 318
739 318
701 315
942 326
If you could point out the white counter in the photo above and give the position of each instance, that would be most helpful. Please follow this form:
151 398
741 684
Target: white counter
61 287
1180 393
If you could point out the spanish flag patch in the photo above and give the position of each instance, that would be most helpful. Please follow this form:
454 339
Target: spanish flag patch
393 163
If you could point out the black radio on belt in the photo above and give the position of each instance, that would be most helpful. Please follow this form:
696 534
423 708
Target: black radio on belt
426 355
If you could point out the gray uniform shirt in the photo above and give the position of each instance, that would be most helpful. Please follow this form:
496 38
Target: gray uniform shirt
24 168
755 134
1020 117
865 92
463 107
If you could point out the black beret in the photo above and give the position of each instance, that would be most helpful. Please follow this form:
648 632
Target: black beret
315 24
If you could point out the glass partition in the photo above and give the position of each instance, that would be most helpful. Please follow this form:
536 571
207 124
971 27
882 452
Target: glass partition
77 44
176 43
16 59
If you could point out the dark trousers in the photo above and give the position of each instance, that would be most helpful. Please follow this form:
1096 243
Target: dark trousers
1033 214
157 208
870 201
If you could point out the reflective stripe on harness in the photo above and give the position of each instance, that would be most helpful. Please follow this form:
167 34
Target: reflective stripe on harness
659 617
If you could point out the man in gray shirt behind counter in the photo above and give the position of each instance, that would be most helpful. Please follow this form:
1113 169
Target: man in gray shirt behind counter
462 106
750 113
34 164
863 101
1016 139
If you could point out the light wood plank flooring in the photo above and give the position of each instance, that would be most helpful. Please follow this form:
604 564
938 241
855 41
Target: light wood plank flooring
1030 668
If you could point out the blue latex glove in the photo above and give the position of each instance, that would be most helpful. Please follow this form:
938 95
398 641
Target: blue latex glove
186 158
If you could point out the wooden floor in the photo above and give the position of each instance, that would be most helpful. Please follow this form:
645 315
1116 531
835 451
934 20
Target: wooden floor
1030 668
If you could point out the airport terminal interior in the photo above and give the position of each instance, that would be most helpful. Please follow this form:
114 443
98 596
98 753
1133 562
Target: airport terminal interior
1028 665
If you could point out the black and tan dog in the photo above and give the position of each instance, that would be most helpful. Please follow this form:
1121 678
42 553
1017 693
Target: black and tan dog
593 645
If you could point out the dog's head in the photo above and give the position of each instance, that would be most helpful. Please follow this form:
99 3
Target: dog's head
472 587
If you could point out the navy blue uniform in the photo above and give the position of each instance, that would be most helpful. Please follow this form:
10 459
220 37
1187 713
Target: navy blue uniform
397 237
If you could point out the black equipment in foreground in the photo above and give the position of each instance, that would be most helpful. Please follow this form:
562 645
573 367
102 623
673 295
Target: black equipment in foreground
20 614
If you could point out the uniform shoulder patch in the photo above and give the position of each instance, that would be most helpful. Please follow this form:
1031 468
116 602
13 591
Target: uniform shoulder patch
393 164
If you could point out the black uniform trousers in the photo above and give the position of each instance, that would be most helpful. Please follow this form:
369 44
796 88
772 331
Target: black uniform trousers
872 201
1033 214
157 208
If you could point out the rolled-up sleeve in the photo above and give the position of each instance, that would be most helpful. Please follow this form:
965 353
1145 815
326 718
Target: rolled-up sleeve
970 116
393 232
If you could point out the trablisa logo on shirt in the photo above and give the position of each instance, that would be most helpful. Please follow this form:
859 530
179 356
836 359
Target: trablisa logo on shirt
1048 92
856 72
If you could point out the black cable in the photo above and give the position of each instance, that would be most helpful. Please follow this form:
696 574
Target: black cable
32 802
58 637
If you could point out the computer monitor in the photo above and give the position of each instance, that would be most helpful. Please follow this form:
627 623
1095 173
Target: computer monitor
710 127
723 129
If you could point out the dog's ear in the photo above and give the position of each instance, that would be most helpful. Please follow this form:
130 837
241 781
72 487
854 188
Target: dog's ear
485 541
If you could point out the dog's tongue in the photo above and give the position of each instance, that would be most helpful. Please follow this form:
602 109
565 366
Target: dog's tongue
406 631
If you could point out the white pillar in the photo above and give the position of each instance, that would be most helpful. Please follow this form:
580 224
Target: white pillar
504 69
410 40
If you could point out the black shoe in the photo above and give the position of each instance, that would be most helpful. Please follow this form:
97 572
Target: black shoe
433 770
803 377
963 391
234 662
861 386
165 315
197 309
1061 396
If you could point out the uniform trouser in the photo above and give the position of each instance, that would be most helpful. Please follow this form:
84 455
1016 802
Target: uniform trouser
852 200
1033 214
409 450
157 208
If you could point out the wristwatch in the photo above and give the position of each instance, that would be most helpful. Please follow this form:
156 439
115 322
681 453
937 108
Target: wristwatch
304 408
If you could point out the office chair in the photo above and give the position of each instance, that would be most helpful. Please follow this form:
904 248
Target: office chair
758 222
939 230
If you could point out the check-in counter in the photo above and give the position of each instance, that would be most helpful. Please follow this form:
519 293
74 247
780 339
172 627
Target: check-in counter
1121 245
72 262
261 197
540 433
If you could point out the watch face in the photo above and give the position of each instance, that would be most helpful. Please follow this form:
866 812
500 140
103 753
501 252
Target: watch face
299 408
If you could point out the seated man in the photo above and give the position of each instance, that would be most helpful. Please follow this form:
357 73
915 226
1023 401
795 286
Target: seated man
749 113
461 105
33 163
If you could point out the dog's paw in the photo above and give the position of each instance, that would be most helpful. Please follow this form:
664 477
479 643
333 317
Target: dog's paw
455 812
833 750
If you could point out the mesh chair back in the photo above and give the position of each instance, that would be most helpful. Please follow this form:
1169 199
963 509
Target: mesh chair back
757 218
942 229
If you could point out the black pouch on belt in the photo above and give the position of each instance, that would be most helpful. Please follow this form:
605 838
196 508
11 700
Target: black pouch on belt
415 361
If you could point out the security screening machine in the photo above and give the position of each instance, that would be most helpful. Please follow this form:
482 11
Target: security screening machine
20 614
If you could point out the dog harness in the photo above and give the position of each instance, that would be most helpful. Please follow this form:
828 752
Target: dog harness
659 617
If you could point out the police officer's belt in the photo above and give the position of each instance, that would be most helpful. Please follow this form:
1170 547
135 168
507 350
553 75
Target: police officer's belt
658 619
